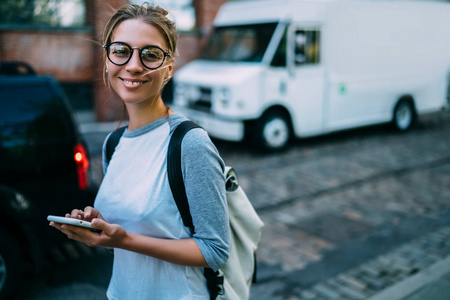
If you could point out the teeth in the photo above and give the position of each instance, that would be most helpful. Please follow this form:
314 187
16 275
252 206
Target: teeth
133 83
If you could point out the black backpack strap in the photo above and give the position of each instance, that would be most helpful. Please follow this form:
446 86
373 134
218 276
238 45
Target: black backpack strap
112 142
174 172
214 282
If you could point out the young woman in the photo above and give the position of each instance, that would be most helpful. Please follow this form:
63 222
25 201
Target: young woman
155 255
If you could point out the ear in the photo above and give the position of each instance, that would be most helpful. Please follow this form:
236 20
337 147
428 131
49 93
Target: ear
170 70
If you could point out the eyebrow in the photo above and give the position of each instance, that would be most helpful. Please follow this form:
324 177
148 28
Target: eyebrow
138 47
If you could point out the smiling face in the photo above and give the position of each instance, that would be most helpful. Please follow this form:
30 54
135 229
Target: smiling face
133 82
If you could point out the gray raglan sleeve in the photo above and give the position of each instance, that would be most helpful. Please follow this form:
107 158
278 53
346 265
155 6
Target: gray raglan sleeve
202 169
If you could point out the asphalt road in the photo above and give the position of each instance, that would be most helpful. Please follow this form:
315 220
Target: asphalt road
332 206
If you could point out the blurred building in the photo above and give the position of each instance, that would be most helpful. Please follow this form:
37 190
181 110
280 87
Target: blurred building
61 38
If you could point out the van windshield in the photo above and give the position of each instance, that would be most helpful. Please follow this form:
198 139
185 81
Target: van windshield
240 43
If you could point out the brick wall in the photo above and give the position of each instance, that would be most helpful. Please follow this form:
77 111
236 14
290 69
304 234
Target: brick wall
65 55
205 12
107 104
188 45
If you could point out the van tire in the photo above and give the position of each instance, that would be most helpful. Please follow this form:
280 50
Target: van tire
272 132
404 114
10 259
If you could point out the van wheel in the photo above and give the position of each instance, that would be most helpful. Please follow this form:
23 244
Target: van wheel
404 115
272 132
10 269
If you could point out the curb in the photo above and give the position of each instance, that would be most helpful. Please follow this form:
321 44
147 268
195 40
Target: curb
97 127
414 283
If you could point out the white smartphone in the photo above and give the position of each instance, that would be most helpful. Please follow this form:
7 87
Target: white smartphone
72 221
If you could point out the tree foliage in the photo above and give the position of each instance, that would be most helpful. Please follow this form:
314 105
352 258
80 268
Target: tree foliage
33 12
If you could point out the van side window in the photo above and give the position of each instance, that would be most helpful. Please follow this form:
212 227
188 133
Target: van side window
307 47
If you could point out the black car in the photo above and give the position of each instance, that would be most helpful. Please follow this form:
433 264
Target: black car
44 169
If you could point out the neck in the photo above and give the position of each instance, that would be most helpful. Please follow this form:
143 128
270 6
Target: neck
141 114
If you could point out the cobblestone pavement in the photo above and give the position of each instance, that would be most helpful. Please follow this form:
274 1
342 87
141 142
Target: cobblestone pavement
373 276
346 215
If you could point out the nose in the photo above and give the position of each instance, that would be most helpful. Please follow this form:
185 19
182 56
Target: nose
134 64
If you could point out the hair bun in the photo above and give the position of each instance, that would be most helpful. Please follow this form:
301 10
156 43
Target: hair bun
161 10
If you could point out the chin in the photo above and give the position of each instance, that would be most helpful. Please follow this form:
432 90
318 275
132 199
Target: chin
132 99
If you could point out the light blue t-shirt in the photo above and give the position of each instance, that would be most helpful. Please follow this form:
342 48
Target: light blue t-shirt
135 194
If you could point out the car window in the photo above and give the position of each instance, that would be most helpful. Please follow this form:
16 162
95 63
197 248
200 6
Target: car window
30 112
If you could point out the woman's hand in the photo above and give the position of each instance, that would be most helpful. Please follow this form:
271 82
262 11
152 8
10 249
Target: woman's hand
111 235
88 214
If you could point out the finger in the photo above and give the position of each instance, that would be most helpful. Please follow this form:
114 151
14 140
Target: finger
100 224
76 233
89 212
77 214
53 224
61 227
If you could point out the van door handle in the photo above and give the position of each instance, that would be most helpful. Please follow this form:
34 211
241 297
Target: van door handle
283 87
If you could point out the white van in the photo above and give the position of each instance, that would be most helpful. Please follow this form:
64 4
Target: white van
277 69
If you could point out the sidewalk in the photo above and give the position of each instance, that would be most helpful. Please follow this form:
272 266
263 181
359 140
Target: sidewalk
430 284
416 270
87 123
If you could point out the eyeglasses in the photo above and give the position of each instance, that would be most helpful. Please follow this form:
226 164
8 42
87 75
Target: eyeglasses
119 53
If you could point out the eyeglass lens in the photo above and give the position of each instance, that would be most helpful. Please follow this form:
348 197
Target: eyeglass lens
151 57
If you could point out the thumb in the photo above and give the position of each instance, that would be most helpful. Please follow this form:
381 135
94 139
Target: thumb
99 224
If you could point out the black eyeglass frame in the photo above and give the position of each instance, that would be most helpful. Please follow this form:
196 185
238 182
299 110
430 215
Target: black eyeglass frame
140 54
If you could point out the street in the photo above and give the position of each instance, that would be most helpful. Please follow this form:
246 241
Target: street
346 215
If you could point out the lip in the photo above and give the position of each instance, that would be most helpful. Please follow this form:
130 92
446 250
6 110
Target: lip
132 83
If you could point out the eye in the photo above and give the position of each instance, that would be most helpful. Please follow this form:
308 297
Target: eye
152 54
119 50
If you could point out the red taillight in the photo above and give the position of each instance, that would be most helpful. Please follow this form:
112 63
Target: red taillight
82 163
